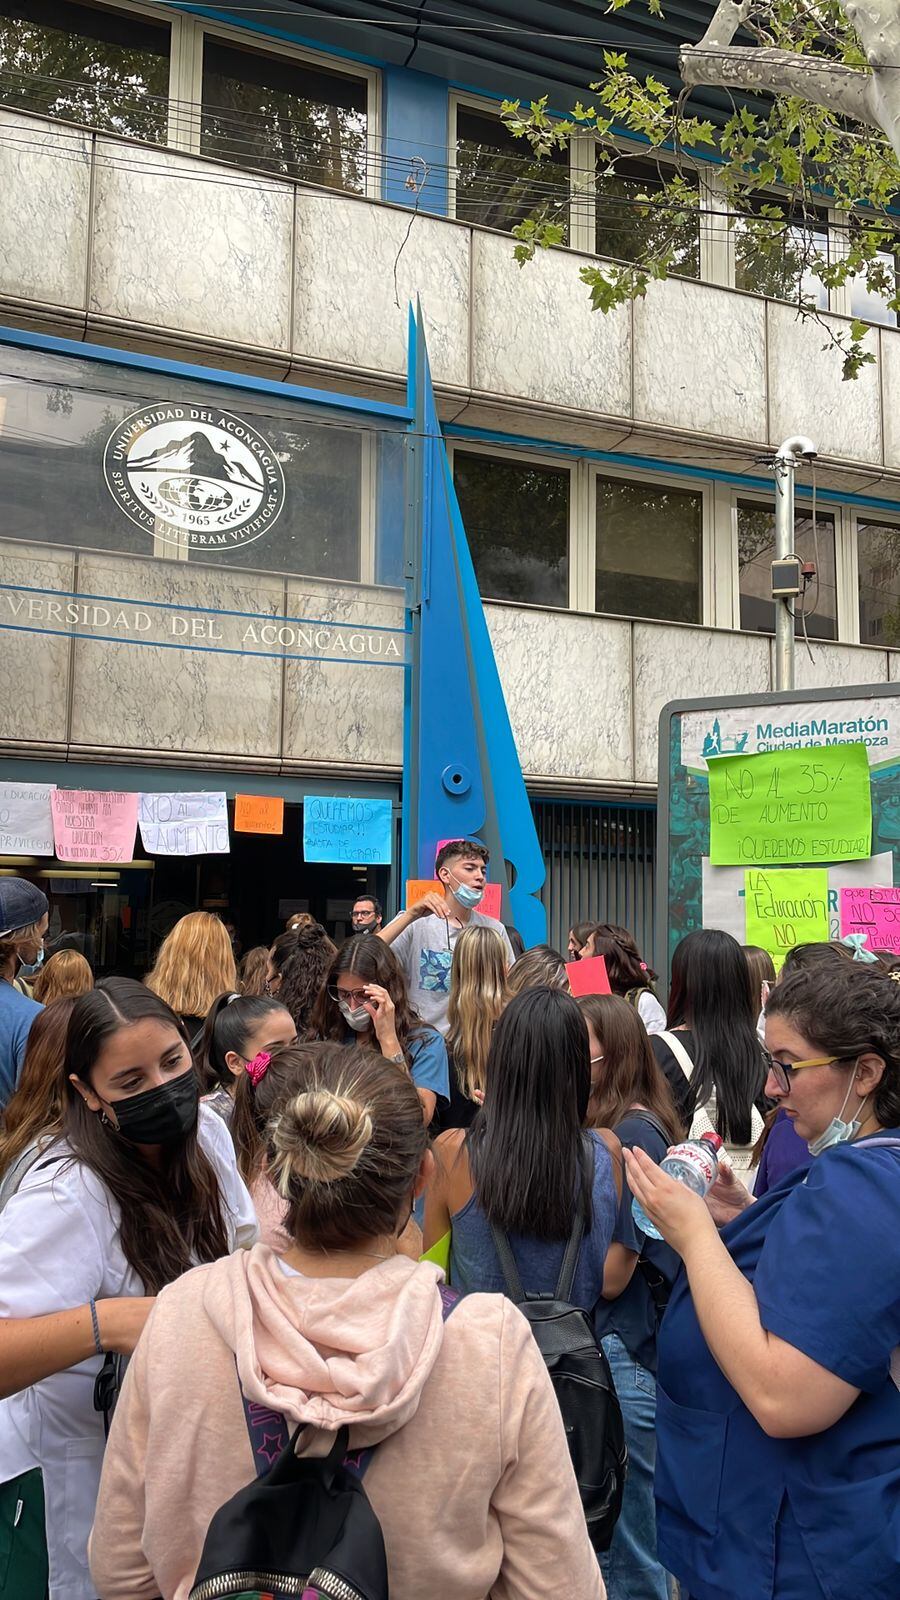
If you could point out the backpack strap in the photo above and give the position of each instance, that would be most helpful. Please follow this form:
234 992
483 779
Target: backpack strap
653 1122
679 1052
573 1248
268 1429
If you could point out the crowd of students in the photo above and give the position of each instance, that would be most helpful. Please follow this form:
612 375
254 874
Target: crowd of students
223 1190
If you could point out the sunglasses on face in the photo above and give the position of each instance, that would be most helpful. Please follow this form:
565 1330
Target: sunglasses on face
783 1071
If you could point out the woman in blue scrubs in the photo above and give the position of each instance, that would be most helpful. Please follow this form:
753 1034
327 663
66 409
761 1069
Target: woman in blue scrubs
778 1421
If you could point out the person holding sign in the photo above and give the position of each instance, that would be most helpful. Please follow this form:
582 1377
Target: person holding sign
778 1419
423 936
23 924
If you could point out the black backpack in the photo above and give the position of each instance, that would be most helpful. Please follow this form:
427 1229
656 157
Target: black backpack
302 1527
581 1378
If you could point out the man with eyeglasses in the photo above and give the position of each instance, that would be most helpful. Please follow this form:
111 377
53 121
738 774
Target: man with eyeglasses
367 915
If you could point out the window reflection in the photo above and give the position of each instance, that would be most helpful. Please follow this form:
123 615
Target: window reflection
499 179
649 544
879 583
516 517
756 549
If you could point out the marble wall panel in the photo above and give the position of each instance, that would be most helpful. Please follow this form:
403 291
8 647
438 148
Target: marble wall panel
34 666
699 359
185 244
349 712
358 267
890 383
893 659
838 665
534 334
682 663
808 395
567 682
162 694
45 180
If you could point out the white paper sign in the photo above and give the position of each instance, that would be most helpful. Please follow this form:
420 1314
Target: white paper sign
194 823
26 819
723 892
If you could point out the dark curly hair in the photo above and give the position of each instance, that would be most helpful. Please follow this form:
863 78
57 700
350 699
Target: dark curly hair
301 957
625 966
847 1010
372 961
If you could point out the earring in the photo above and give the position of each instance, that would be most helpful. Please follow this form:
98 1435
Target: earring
105 1120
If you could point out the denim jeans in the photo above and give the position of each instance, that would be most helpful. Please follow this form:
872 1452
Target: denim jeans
630 1568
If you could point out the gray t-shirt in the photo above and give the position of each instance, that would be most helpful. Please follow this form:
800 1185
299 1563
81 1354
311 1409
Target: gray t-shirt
425 952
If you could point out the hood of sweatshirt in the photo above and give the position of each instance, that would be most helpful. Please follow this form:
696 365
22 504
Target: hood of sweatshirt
330 1351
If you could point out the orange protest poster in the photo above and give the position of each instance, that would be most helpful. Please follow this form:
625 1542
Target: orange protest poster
418 888
258 813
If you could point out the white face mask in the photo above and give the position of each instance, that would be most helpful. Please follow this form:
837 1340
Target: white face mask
838 1131
356 1017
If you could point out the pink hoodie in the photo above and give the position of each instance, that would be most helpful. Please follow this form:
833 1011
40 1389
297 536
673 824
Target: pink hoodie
473 1484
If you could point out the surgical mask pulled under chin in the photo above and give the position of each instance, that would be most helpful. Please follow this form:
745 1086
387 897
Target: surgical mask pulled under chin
838 1131
468 897
356 1017
28 969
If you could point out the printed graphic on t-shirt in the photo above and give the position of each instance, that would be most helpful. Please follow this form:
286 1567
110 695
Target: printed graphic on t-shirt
434 970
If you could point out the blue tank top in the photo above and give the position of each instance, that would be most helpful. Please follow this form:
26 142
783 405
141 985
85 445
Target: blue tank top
474 1267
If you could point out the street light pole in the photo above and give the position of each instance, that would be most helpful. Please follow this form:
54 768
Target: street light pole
786 584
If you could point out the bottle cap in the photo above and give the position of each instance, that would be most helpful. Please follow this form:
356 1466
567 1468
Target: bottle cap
711 1138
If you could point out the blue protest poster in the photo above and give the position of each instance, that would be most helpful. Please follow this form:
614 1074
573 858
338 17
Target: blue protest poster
348 830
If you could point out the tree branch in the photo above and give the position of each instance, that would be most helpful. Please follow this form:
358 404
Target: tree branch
728 17
840 89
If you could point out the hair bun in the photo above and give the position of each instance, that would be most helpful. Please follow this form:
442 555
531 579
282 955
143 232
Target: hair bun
318 1137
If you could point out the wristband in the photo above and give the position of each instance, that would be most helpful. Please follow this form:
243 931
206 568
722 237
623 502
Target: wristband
95 1324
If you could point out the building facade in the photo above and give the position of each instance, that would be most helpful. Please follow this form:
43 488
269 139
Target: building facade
211 228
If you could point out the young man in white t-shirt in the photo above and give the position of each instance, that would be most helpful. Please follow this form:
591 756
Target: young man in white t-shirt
423 936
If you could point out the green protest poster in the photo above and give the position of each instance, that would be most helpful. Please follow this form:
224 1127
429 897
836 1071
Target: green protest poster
790 807
786 906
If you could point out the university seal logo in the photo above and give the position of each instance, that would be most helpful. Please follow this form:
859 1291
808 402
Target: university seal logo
194 476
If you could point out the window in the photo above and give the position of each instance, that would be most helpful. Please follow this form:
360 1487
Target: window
649 547
870 304
785 274
626 230
756 549
116 459
879 583
284 115
499 180
108 69
516 517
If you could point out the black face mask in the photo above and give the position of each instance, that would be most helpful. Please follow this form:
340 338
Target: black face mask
365 927
165 1115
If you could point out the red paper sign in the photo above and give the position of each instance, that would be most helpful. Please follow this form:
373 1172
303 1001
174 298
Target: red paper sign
418 888
588 976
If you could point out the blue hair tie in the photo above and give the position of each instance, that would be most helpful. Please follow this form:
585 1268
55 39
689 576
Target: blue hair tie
856 942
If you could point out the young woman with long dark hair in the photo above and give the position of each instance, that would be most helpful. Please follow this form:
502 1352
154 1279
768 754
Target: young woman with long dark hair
629 974
298 963
238 1029
365 1001
140 1185
630 1095
710 1051
521 1164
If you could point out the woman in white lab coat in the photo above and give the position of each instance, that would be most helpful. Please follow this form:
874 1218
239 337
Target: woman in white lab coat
139 1185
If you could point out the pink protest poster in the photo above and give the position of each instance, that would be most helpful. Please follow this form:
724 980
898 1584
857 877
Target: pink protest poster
588 976
874 913
94 824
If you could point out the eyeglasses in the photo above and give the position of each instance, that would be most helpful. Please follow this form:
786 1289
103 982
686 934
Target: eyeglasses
783 1071
350 997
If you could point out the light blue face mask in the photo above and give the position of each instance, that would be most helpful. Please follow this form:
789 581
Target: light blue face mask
838 1131
468 897
28 969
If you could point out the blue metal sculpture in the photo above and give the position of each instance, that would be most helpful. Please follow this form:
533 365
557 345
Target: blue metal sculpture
462 777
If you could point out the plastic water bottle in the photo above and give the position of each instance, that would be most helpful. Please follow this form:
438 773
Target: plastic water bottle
695 1163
